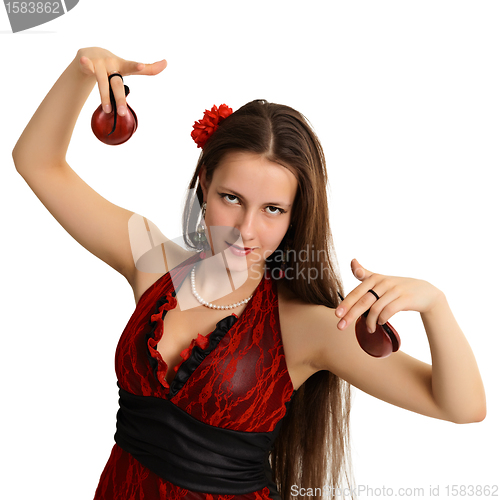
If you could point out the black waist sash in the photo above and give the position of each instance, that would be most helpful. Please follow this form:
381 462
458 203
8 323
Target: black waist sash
189 453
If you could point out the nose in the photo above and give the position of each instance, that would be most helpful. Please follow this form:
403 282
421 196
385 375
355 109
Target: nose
246 226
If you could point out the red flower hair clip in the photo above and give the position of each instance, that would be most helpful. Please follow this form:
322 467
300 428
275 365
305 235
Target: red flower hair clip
204 128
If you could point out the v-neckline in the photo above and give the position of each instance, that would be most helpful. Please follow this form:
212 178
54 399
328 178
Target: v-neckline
219 324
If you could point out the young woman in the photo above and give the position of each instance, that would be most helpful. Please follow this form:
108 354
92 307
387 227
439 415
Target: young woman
234 383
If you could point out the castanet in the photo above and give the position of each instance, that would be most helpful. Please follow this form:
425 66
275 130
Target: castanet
111 128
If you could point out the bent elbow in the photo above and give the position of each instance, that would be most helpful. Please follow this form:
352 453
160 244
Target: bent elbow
470 419
16 157
480 416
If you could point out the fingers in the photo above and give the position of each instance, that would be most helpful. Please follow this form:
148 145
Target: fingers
86 65
360 300
103 85
395 294
117 86
102 63
359 293
118 89
353 306
359 271
150 69
392 299
126 68
135 68
157 67
132 68
384 308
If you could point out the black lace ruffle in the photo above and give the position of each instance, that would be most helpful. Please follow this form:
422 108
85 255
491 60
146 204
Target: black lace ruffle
198 354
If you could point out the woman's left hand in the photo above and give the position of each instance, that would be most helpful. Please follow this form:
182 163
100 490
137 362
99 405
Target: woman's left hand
395 294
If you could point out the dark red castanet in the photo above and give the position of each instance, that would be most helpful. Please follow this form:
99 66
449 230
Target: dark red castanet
102 126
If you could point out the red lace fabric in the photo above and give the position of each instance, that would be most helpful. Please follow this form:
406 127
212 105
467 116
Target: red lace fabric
242 383
200 341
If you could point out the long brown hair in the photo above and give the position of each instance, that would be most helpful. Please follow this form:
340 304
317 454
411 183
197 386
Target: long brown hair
312 447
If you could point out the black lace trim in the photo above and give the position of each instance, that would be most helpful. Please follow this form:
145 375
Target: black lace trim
182 268
198 354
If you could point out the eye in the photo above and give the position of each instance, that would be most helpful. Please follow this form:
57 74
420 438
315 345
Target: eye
232 200
226 196
277 210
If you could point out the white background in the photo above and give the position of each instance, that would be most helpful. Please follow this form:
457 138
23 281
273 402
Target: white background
405 99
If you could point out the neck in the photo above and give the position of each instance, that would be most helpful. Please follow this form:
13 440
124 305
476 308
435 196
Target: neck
220 285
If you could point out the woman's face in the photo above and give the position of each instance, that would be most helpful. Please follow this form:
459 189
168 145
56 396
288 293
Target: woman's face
249 203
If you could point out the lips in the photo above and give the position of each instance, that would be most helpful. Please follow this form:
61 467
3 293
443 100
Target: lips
239 250
242 248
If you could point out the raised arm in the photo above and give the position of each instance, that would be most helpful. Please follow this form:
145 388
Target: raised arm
40 156
451 389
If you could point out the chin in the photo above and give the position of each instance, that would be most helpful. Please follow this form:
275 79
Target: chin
247 262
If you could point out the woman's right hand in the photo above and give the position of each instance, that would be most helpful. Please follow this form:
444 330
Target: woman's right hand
101 63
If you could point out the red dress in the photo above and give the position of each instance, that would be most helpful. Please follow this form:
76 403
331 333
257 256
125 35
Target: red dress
233 379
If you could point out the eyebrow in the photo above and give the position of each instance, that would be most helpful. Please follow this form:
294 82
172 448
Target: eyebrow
271 203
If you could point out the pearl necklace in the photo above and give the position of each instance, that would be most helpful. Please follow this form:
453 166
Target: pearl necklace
209 304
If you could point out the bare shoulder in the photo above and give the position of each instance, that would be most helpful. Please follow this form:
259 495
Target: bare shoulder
303 327
171 254
152 254
296 308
